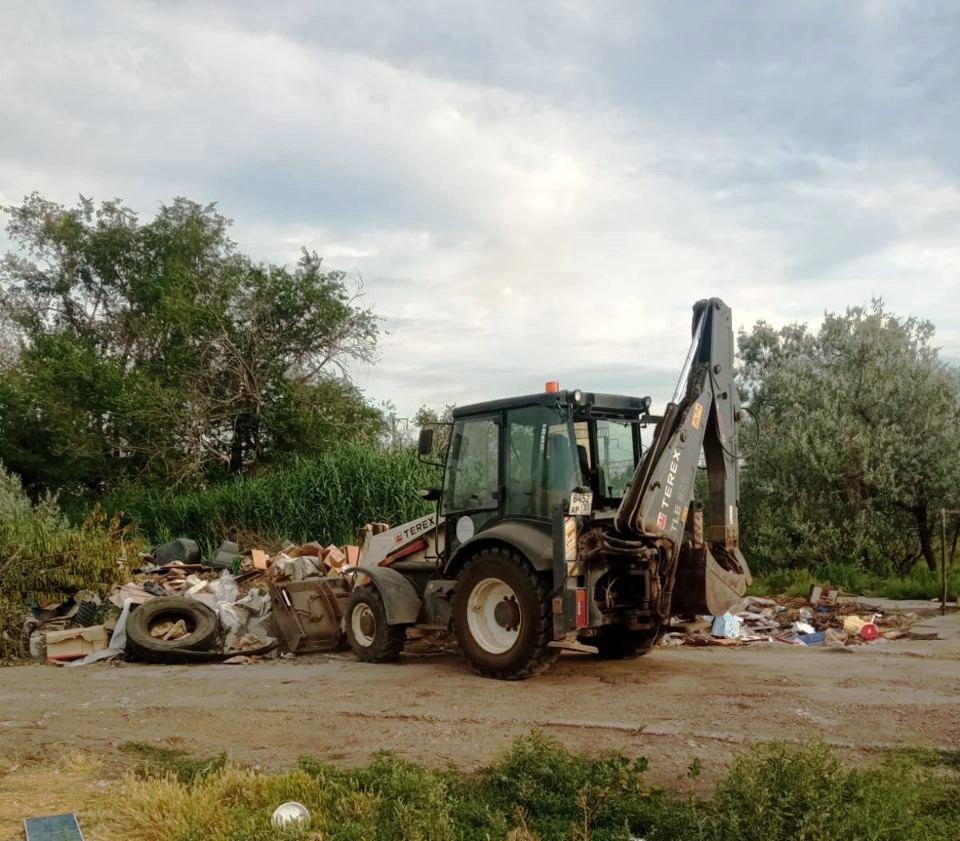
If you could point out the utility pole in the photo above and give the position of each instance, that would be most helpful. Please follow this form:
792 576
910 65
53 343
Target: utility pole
943 557
943 561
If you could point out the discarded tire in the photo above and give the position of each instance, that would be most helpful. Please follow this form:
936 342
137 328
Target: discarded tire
201 623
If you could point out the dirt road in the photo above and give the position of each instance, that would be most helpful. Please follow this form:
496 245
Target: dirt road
671 706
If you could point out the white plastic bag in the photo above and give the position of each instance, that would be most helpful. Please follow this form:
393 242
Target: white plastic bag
225 589
118 639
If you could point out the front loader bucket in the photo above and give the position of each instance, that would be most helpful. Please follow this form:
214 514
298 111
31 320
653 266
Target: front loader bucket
704 585
308 613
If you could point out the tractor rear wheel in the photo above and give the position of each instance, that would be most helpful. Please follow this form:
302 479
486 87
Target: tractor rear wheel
370 637
621 644
502 616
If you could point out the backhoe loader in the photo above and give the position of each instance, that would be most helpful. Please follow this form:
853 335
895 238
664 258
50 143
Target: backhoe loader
559 527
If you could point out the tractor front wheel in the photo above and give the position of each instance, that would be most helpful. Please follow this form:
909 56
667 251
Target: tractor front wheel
502 617
370 637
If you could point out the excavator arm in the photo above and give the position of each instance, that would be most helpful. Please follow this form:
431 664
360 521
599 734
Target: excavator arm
702 568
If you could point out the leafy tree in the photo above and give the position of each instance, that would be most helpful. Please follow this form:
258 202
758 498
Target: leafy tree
860 441
155 350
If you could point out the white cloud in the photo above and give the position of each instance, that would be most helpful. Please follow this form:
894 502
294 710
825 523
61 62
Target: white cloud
526 195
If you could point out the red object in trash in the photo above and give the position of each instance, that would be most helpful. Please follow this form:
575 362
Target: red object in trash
869 632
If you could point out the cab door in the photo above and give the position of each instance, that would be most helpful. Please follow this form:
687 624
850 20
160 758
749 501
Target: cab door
472 487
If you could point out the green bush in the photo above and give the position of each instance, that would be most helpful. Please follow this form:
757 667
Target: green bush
539 791
44 558
919 583
325 498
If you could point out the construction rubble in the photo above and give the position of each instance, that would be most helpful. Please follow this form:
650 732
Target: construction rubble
235 608
824 618
241 605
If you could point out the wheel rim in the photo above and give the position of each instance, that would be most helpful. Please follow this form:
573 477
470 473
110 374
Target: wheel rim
363 624
494 618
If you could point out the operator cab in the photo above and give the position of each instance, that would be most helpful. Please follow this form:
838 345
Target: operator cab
520 458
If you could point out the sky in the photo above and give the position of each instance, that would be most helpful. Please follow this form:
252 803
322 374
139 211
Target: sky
527 191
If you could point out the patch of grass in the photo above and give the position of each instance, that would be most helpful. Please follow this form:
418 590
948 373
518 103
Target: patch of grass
919 583
538 790
158 761
34 788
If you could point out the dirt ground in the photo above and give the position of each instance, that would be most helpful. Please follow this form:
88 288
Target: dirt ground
674 705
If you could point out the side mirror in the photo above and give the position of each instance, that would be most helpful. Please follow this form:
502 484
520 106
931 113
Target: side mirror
430 494
425 442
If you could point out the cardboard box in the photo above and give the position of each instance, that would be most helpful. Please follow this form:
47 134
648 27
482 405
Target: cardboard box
353 555
334 557
74 643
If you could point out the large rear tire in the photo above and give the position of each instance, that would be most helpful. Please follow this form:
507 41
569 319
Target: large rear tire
502 616
370 637
621 644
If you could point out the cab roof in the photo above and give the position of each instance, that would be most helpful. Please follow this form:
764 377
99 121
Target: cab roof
589 404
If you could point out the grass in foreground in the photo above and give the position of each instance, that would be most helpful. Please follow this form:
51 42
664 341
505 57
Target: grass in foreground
537 790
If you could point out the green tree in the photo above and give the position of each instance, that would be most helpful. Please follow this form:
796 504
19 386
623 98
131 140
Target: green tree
860 440
155 350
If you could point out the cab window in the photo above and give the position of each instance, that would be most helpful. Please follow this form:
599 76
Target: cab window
616 457
473 467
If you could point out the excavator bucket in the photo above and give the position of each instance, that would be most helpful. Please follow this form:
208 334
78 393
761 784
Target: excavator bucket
708 585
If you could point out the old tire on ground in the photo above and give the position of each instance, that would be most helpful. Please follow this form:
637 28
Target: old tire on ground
621 644
370 637
201 622
502 616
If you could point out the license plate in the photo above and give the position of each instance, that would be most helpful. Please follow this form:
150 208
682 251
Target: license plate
581 504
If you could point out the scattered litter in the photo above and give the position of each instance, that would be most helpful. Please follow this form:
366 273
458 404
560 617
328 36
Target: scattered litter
671 638
169 630
726 626
96 657
821 620
853 624
226 556
53 828
182 550
118 639
74 643
225 590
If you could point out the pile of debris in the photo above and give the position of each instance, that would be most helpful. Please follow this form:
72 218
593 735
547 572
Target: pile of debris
233 608
824 618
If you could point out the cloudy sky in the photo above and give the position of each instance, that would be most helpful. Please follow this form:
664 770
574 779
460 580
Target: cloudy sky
528 190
